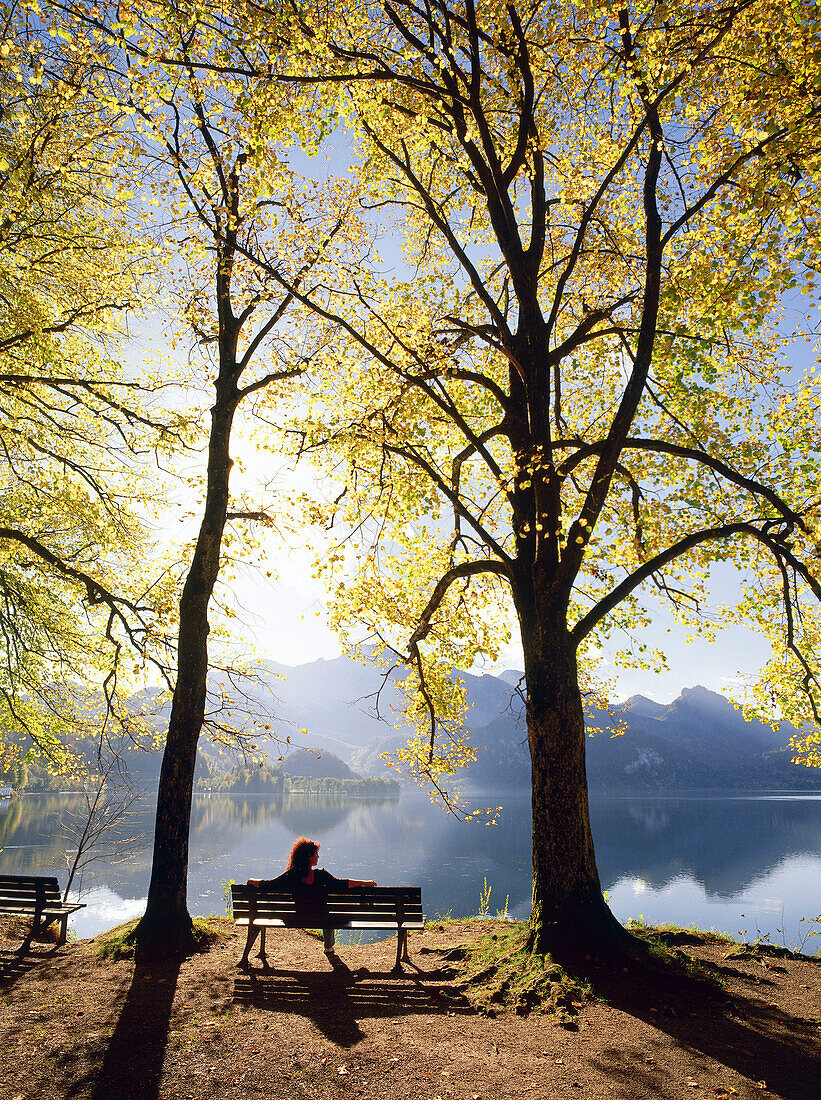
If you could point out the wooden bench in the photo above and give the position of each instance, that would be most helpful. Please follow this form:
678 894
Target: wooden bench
39 897
380 908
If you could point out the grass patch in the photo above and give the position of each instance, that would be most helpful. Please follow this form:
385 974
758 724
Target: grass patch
674 935
502 974
206 934
663 945
440 922
120 944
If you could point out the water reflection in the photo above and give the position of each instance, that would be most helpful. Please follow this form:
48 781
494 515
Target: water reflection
710 860
231 814
104 909
723 843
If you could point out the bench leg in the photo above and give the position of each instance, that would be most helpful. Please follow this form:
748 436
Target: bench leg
401 949
37 926
405 952
25 946
249 943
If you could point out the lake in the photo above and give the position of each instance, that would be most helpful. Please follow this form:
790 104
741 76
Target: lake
744 863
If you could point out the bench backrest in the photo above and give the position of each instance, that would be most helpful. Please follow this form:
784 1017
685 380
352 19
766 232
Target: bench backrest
332 910
25 892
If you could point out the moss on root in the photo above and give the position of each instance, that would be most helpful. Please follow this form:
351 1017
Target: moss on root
500 974
120 943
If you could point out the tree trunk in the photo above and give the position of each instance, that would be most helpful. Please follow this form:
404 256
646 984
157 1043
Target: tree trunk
570 918
166 927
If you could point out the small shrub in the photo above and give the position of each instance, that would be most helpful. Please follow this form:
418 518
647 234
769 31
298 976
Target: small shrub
226 884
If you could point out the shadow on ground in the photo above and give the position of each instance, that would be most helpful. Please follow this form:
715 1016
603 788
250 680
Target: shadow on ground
336 1002
778 1051
133 1061
15 964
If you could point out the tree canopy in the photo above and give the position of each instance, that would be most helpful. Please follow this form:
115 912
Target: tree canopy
577 386
76 427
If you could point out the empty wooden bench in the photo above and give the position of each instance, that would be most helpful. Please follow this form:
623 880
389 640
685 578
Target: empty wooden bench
379 908
38 897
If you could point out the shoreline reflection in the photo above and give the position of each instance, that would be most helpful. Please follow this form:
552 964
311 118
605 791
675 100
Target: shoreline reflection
737 861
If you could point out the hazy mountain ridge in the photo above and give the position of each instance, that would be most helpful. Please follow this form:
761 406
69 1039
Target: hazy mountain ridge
699 741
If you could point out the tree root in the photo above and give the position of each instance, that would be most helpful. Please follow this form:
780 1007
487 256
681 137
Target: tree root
503 975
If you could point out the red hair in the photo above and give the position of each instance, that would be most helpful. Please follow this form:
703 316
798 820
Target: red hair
301 854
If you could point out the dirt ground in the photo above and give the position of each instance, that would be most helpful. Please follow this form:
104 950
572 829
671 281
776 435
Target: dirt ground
73 1026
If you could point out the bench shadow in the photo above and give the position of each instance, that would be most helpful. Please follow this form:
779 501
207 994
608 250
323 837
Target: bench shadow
755 1039
14 964
337 1001
132 1065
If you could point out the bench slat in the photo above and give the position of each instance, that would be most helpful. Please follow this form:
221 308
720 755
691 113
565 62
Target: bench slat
388 926
22 906
26 892
27 905
28 880
306 911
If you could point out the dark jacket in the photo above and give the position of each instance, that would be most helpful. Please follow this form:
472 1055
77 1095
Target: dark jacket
291 880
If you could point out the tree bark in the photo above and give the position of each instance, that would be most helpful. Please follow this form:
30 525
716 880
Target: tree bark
166 927
570 919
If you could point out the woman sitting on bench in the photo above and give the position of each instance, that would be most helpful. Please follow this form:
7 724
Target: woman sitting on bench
305 879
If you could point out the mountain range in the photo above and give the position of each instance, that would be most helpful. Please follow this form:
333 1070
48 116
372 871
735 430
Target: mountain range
340 708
